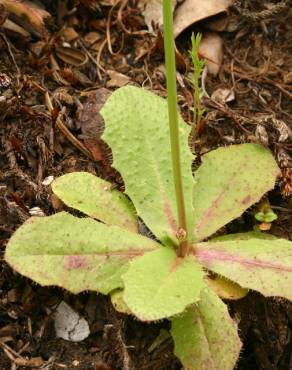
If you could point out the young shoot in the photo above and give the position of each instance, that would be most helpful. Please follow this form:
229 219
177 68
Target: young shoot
198 70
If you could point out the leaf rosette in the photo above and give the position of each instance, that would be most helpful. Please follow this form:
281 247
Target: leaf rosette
103 251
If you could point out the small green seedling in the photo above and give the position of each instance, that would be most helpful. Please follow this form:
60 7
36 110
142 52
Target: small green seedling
265 213
198 65
182 272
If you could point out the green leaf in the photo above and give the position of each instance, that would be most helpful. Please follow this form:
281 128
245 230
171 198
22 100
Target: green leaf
266 216
160 284
205 336
74 253
229 181
255 234
117 299
95 197
264 265
137 130
225 288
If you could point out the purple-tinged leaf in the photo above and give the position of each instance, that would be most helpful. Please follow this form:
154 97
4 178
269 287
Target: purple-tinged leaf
228 182
205 336
74 253
95 197
259 264
137 130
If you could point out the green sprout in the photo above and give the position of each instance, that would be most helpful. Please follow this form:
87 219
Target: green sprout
197 75
266 217
265 213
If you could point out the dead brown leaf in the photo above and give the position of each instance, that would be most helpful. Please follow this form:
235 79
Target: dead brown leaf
92 38
75 77
70 34
15 29
192 11
218 23
28 14
223 95
95 4
90 121
71 56
32 362
153 13
211 49
117 79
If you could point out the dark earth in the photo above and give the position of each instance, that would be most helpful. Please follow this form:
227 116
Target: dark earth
49 125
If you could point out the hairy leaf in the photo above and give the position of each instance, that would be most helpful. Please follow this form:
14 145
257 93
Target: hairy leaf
229 181
225 288
74 253
94 197
260 264
136 129
205 336
160 284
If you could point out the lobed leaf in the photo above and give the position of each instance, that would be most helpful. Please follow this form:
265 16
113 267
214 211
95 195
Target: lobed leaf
95 197
159 284
137 130
74 253
228 182
205 336
264 265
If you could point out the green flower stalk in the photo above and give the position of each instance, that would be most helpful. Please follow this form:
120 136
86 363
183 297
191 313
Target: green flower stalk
173 125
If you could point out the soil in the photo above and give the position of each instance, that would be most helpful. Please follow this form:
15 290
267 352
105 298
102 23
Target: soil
37 141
